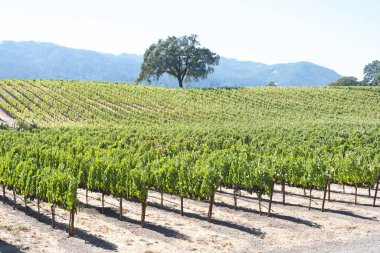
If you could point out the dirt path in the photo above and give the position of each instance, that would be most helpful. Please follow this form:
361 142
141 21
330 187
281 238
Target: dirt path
5 119
344 227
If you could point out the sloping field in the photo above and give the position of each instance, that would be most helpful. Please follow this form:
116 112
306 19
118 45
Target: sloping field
195 168
74 103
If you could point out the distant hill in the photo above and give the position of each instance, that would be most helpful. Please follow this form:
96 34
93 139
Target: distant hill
50 61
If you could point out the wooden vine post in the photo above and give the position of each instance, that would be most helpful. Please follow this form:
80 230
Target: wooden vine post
181 206
52 216
162 198
235 197
212 198
3 194
377 188
271 197
121 208
310 191
283 191
25 203
327 187
143 211
14 199
102 203
86 197
71 223
38 209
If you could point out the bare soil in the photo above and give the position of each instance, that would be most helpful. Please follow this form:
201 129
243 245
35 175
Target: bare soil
343 227
6 119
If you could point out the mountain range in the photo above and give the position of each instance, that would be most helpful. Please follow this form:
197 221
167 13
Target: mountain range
41 60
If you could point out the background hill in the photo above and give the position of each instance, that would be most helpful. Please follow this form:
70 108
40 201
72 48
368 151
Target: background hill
50 61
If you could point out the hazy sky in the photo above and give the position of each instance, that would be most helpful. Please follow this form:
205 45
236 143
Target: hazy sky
340 34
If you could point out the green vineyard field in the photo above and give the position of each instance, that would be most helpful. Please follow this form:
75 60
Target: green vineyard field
124 140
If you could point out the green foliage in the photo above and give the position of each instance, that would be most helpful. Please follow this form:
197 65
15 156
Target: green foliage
346 81
371 73
272 84
182 58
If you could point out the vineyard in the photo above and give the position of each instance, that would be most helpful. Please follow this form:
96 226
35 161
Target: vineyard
125 141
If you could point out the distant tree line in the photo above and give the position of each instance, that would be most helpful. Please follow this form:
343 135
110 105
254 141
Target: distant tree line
371 77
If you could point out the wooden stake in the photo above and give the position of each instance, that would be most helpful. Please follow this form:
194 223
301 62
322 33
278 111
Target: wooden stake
209 218
25 203
14 199
38 209
71 223
356 194
324 197
121 208
86 197
102 203
344 189
52 216
377 188
181 206
270 198
143 210
369 190
259 197
283 192
310 198
162 199
329 190
3 194
235 199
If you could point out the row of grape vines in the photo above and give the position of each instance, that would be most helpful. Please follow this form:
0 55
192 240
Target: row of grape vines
75 103
51 164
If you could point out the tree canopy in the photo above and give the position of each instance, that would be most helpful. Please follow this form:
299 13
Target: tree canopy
346 81
181 57
371 73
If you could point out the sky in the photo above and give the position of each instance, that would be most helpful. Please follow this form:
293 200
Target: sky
339 34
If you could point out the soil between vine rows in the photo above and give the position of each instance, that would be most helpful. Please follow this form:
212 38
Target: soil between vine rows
344 227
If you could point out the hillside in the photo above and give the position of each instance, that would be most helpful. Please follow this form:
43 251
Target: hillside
73 103
50 61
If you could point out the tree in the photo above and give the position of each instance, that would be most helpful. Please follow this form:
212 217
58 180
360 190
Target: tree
370 71
182 58
346 81
272 84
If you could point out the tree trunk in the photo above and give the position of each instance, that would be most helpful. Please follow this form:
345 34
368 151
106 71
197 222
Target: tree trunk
121 208
210 207
143 210
180 82
377 188
181 206
344 189
283 192
3 194
270 198
52 216
14 199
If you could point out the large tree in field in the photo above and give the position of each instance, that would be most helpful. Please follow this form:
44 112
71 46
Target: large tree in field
370 71
182 58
